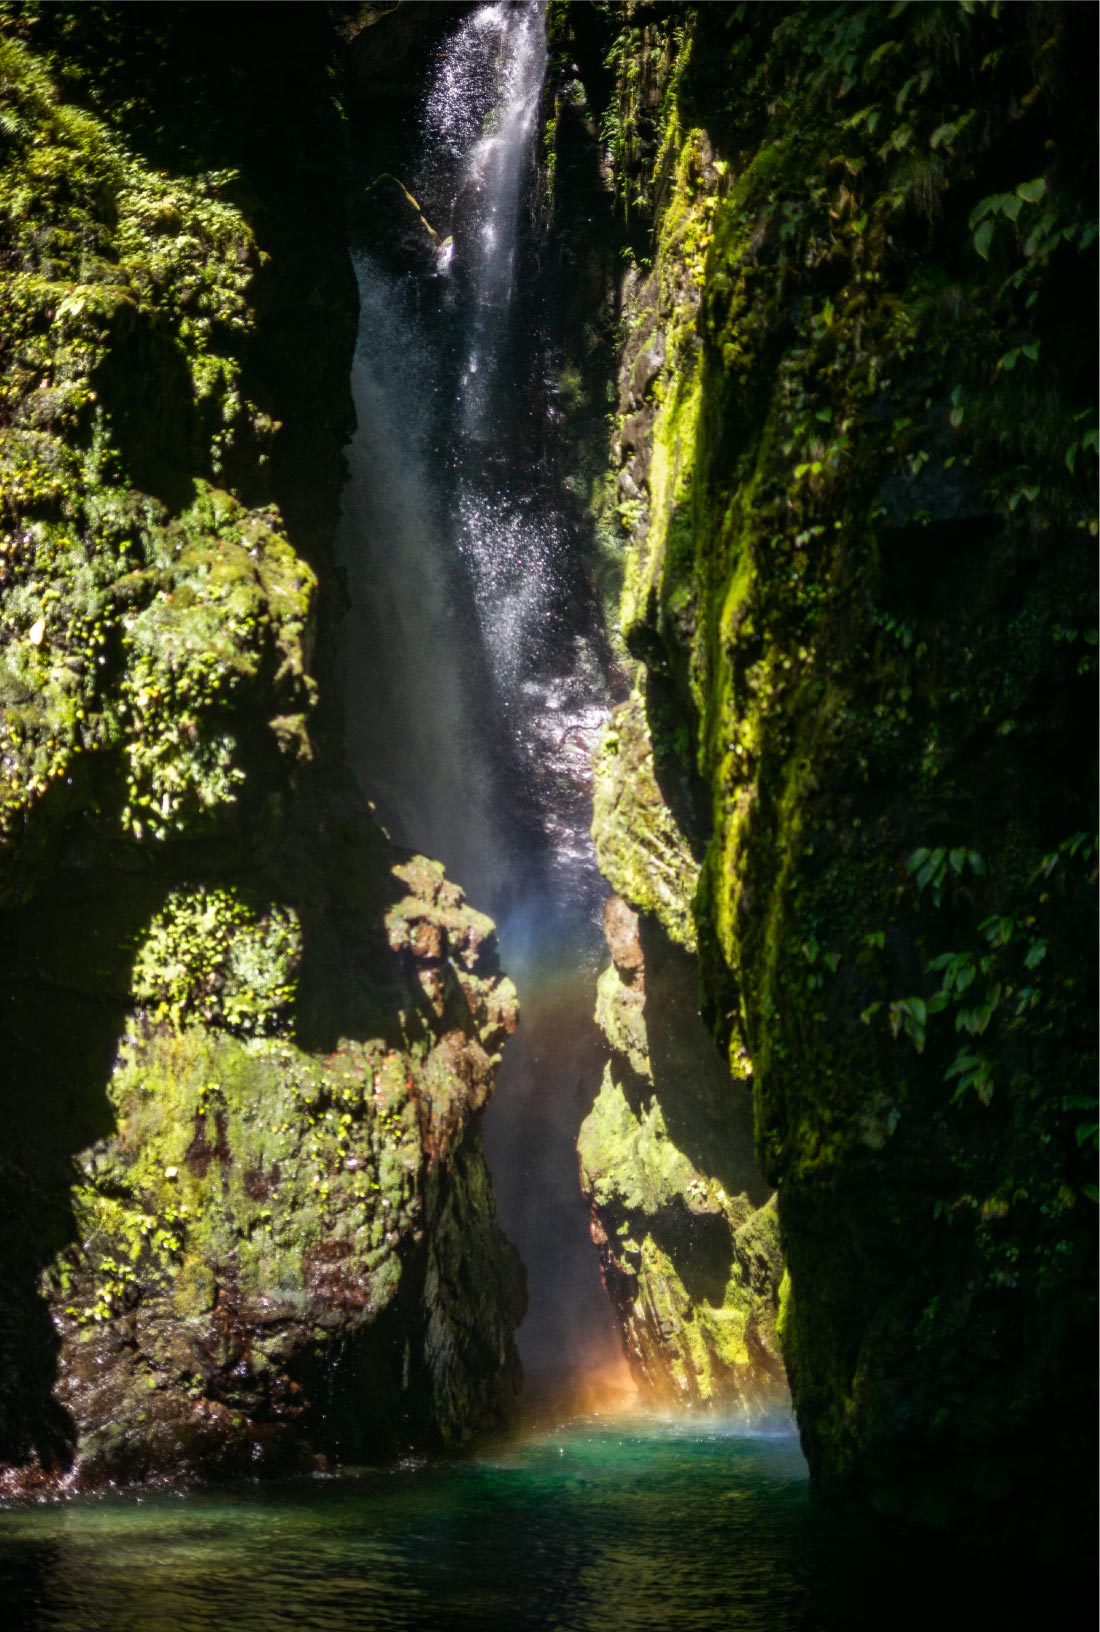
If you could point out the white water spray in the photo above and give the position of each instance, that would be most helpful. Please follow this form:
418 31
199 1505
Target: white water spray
474 683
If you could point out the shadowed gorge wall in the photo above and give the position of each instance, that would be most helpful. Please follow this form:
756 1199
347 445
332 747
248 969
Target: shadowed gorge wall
786 368
245 1041
855 460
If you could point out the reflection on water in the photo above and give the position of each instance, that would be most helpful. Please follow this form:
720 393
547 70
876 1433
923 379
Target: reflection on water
628 1524
601 1525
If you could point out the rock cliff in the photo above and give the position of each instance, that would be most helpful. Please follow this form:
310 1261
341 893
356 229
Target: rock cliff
854 457
246 1220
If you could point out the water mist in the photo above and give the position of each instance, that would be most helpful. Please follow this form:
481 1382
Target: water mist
473 678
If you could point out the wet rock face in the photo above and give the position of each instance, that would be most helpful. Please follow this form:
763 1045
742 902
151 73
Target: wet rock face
646 845
688 1241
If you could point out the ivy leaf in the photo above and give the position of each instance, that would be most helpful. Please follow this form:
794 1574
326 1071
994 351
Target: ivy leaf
983 238
1032 191
962 1062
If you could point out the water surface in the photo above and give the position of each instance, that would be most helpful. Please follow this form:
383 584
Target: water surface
627 1524
595 1524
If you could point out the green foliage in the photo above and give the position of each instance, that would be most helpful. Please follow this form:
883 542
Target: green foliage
129 623
208 957
1006 983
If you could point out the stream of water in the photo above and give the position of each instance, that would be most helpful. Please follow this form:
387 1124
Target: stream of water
473 670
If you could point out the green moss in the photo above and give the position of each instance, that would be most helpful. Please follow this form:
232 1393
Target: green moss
643 851
620 1015
234 1161
207 956
690 1257
255 1201
126 629
691 1269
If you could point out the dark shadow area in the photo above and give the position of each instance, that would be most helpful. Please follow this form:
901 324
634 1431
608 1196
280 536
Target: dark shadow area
144 387
65 960
709 1115
700 1247
673 730
248 98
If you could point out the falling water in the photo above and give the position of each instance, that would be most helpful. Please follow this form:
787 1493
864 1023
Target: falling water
473 674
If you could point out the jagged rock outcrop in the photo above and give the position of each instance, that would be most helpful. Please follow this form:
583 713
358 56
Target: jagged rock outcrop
855 468
281 1254
245 1042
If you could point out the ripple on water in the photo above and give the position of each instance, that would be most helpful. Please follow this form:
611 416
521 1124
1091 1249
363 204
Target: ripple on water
633 1524
590 1525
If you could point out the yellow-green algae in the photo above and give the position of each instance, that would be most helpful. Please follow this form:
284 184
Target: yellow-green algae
690 1258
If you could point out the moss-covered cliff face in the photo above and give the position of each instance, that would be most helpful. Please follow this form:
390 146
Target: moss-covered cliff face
688 1244
245 1042
688 1238
856 458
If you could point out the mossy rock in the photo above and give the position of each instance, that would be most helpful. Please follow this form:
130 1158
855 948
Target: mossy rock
861 563
643 852
688 1242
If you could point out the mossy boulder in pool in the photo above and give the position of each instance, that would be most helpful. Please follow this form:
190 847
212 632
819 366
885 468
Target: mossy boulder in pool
269 1243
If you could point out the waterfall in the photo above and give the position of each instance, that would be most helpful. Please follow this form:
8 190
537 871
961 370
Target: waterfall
472 668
